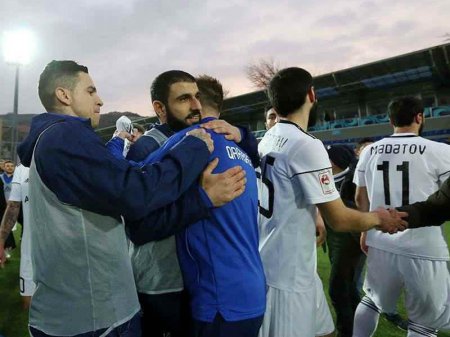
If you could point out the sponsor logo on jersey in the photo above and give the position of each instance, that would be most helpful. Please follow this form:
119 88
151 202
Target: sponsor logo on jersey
325 182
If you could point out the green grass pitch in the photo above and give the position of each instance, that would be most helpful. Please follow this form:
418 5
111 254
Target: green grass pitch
13 320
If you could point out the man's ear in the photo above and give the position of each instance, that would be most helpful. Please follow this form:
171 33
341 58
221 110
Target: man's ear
63 96
160 111
311 95
391 122
419 118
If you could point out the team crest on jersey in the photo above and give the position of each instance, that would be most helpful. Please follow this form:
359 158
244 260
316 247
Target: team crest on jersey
325 182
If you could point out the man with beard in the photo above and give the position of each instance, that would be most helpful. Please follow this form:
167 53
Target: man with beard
395 171
78 194
295 177
175 99
172 120
219 259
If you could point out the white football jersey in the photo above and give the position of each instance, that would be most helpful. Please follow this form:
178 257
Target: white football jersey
19 192
295 175
399 170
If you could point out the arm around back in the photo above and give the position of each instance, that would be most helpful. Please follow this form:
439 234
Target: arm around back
141 148
75 165
431 212
249 144
170 219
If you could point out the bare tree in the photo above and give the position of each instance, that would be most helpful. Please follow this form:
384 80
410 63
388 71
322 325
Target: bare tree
261 72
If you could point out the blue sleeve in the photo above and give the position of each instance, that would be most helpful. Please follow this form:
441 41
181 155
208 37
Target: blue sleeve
115 147
169 220
143 146
157 154
249 144
75 165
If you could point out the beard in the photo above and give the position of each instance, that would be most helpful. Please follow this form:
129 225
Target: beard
313 114
179 124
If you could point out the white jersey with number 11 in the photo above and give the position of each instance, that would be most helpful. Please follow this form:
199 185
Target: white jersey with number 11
400 170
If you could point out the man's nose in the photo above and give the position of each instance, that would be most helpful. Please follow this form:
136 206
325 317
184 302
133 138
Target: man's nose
195 104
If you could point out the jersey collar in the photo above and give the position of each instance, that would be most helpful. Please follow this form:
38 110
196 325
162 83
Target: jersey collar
284 121
404 135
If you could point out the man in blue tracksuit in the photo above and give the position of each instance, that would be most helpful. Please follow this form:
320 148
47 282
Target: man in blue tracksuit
159 282
219 258
78 191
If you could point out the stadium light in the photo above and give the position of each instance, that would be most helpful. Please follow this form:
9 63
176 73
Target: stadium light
18 47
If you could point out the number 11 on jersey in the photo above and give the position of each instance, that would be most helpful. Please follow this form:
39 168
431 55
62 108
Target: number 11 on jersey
404 169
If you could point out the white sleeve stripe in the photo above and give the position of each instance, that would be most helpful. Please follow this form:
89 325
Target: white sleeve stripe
325 168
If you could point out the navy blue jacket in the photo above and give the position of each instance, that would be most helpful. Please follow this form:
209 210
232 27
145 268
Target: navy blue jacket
146 145
74 164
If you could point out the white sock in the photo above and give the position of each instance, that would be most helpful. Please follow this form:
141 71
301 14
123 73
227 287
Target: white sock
366 318
417 330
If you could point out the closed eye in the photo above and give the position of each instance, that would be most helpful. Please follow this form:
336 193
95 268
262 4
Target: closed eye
92 90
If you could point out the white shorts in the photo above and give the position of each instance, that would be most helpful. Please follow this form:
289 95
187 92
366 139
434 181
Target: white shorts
324 321
427 285
26 284
296 314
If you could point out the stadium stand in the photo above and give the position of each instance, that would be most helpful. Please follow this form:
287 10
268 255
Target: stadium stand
357 97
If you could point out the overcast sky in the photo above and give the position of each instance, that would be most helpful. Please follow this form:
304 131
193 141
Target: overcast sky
126 43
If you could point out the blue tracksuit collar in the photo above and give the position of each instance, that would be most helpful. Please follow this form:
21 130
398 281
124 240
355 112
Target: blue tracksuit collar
85 121
207 119
38 124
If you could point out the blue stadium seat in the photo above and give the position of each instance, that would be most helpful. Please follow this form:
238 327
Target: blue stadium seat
368 120
441 111
320 127
381 118
337 124
350 122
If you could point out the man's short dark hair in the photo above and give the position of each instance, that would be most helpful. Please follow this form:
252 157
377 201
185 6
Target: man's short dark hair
211 92
159 90
288 88
403 110
58 74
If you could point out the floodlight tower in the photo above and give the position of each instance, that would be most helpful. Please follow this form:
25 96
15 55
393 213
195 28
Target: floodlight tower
18 47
